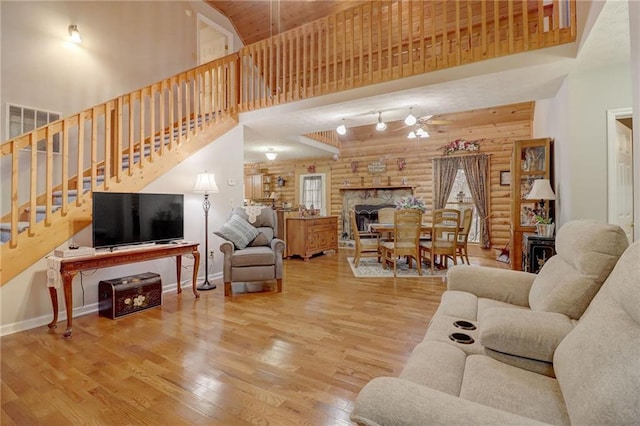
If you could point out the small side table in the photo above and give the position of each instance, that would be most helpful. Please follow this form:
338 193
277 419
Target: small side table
536 250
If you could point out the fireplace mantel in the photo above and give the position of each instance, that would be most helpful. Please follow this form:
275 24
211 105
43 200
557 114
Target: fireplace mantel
382 195
365 188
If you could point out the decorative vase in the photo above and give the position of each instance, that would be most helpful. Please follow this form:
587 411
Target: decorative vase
545 230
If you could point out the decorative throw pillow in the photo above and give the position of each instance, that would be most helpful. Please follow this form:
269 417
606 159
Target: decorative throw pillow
238 231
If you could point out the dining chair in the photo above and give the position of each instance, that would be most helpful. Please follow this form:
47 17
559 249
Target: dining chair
367 243
386 215
463 235
445 227
407 224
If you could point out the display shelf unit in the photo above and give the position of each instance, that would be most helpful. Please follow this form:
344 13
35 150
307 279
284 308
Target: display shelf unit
531 159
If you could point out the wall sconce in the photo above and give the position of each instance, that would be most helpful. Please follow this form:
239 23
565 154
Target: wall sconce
74 33
342 129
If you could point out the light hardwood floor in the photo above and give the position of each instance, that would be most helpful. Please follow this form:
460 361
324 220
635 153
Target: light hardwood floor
295 358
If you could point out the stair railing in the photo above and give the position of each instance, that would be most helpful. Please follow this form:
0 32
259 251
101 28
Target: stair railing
110 140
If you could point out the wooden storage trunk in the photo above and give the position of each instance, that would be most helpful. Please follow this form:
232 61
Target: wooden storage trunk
127 295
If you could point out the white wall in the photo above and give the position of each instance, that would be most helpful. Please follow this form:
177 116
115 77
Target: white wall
576 119
125 46
25 301
551 120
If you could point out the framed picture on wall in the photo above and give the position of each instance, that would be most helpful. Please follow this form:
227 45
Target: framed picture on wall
505 178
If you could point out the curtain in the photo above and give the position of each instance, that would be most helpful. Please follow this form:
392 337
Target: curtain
444 176
476 167
312 192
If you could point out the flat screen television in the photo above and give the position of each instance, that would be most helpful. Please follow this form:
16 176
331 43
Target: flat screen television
124 218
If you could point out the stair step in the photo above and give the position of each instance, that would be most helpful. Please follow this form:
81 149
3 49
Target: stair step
5 230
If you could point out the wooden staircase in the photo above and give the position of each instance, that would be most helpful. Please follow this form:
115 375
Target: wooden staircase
127 142
132 140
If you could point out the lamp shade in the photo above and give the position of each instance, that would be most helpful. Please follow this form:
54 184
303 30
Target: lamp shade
206 183
541 190
271 154
411 119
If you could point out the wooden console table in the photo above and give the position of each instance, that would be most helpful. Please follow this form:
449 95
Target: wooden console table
70 266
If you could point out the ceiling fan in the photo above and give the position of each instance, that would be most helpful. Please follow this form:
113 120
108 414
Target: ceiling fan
426 123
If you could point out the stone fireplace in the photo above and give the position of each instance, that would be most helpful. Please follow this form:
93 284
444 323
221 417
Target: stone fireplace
366 203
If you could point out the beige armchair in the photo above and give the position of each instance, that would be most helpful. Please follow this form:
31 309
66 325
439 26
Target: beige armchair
251 252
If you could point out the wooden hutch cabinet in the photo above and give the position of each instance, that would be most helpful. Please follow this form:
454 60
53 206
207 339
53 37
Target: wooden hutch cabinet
531 159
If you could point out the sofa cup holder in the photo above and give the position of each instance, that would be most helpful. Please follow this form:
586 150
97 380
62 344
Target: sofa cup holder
465 325
461 338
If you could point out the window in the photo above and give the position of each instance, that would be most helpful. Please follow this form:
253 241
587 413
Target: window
22 120
312 192
460 198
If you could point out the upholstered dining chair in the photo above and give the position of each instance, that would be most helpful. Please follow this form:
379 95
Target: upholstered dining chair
407 224
445 227
366 242
463 235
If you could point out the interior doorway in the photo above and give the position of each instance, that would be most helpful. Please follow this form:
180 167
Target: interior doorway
620 166
213 41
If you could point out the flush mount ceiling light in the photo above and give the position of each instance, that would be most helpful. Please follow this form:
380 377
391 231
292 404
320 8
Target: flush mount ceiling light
342 129
271 154
74 34
411 119
381 126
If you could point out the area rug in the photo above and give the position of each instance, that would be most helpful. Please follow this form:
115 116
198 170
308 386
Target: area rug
369 267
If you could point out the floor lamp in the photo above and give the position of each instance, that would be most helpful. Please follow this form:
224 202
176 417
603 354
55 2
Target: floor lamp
206 184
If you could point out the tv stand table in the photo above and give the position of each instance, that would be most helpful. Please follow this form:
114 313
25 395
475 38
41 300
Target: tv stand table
70 266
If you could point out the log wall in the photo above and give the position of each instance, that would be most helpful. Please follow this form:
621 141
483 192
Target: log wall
495 139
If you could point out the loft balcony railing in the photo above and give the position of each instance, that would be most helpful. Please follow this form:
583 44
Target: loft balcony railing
387 40
103 146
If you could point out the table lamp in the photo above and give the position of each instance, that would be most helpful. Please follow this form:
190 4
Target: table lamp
542 191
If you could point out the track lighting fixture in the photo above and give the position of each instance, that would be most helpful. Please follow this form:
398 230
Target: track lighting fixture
381 126
74 33
342 129
411 119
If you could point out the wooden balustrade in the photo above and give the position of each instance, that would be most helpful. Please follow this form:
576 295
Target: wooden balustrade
386 40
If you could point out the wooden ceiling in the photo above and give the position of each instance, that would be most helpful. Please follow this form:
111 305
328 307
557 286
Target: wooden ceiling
257 20
453 123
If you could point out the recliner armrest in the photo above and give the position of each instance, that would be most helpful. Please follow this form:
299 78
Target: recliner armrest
277 245
393 401
504 285
227 247
519 332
